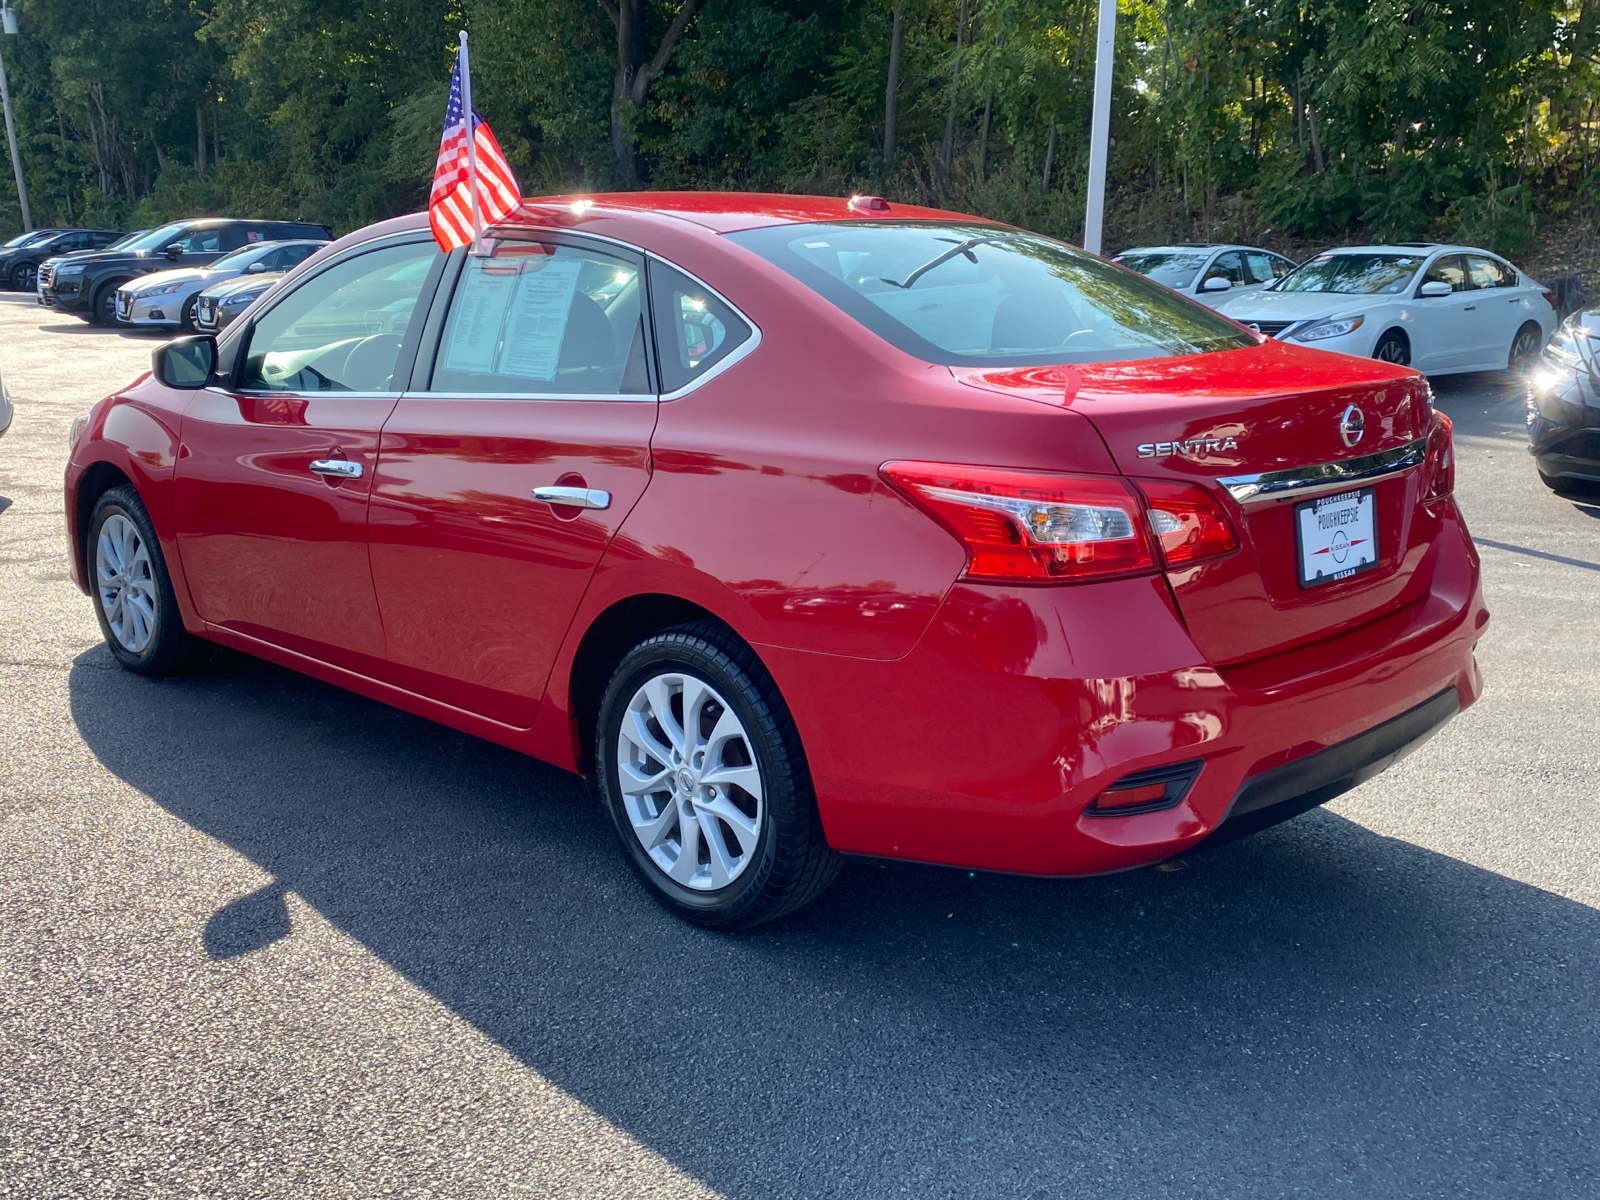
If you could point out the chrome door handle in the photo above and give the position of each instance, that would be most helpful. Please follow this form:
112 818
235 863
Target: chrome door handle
1470 308
338 468
574 497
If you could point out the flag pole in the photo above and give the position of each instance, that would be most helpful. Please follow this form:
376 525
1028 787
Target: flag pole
472 148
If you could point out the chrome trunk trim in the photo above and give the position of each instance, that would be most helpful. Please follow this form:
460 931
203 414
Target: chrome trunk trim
1299 482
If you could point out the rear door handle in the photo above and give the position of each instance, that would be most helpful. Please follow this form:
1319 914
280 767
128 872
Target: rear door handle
573 497
1470 308
338 468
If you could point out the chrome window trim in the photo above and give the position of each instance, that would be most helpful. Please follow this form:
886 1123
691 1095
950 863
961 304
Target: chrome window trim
597 397
738 354
1300 482
329 395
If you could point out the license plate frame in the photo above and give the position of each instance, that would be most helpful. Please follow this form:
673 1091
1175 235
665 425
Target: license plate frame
1352 532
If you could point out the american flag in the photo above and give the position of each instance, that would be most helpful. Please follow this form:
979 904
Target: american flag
450 201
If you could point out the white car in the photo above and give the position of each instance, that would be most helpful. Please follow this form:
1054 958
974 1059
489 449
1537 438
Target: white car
166 299
1441 309
1209 272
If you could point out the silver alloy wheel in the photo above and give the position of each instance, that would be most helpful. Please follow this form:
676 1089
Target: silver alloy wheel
1525 347
1393 350
690 781
126 583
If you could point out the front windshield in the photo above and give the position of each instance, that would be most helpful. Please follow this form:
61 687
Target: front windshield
1174 268
987 295
158 239
240 258
1352 274
20 239
127 239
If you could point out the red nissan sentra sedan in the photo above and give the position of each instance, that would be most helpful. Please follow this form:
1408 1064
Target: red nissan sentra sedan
807 527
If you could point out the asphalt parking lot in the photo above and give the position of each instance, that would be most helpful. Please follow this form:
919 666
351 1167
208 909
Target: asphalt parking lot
260 937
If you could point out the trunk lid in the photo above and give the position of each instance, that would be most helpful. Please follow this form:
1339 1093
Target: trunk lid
1278 411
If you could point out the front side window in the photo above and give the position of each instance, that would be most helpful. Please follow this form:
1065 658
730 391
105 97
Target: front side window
238 260
544 318
988 295
1448 269
340 331
694 329
1353 274
1229 266
1176 269
1489 273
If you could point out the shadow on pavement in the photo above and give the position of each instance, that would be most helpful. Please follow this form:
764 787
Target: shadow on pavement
1319 1006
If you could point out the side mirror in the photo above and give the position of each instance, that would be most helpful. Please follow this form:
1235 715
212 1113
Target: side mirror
1216 283
1435 287
175 251
255 268
186 363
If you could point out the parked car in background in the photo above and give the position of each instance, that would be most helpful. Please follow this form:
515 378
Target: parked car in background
217 306
1564 405
19 266
86 284
167 299
1207 271
22 239
46 272
806 527
1441 309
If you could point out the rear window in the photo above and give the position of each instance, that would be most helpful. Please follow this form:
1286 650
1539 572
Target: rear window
985 295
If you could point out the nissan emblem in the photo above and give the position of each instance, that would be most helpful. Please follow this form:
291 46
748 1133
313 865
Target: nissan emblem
1352 425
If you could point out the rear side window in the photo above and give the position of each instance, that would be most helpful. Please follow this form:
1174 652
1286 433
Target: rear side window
543 318
987 295
1489 273
694 329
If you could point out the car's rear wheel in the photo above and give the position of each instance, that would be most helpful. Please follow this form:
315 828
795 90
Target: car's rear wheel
700 767
132 592
23 276
1525 347
1393 347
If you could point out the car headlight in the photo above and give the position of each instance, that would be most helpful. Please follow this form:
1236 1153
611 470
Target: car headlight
240 299
165 290
69 271
75 430
1316 331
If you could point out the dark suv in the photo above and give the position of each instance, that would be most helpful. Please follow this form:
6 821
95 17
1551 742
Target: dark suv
86 284
19 265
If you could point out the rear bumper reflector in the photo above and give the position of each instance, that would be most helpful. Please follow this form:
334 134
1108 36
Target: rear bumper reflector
1147 790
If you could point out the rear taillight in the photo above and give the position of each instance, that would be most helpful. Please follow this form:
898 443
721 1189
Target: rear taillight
1030 526
1439 462
1549 296
1187 521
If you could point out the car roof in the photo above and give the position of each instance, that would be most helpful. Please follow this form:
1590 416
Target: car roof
1418 248
1177 247
724 212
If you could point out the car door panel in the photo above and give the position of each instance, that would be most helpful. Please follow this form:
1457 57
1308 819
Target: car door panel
476 579
1504 306
275 474
1444 328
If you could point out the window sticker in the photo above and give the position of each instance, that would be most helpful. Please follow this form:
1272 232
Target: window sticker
252 236
538 319
481 306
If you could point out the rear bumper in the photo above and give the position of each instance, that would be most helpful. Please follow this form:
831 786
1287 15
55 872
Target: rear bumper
1299 785
986 745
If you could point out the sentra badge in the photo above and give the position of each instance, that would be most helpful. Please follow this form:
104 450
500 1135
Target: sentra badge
1191 447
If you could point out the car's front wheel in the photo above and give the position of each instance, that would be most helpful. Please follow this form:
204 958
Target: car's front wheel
186 319
105 306
700 767
1393 347
133 597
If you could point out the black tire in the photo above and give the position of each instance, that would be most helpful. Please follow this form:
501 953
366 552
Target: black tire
1526 346
104 311
791 863
23 276
186 317
1393 347
170 647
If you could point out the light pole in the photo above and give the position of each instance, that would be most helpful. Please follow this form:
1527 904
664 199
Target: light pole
1100 127
8 23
